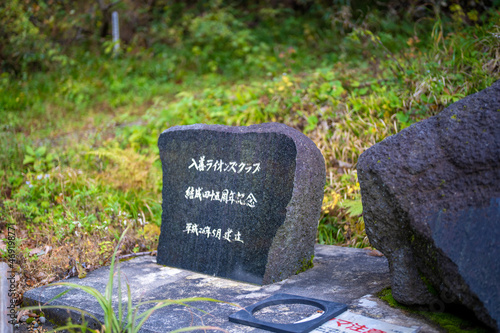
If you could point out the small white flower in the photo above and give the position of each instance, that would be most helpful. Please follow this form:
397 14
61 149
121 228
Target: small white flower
76 233
106 228
47 175
39 177
27 182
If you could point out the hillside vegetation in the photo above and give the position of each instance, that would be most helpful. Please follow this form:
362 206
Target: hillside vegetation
79 122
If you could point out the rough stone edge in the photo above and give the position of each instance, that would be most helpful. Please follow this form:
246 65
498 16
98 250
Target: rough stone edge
382 201
301 239
404 251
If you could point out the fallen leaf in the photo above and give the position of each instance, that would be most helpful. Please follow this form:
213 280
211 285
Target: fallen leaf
375 253
344 165
37 251
47 280
21 313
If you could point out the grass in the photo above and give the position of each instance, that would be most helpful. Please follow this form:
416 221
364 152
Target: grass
128 319
78 155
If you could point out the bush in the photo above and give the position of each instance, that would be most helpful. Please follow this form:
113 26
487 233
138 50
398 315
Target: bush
23 47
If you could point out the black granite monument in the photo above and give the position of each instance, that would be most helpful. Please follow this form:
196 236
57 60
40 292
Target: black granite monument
240 202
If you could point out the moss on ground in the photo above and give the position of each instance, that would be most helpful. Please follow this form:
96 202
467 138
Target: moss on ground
451 320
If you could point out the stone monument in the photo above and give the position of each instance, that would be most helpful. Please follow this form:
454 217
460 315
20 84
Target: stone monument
240 202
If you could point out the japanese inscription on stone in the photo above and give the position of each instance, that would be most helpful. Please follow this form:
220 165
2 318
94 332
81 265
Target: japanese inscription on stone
225 197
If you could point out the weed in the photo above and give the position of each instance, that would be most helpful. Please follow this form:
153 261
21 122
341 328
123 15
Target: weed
126 320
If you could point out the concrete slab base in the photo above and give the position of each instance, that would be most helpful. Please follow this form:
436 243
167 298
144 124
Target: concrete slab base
343 275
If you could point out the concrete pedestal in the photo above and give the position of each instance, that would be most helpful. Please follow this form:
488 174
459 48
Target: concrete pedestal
344 275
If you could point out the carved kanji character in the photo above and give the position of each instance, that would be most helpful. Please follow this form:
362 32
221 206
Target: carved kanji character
216 233
197 193
227 235
205 231
239 198
189 193
250 200
208 195
224 196
237 237
188 228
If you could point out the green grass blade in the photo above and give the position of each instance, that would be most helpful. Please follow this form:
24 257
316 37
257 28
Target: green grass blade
59 295
106 304
120 310
89 290
73 326
130 310
187 300
163 303
192 328
146 315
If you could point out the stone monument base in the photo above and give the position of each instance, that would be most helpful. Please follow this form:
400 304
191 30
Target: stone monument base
344 275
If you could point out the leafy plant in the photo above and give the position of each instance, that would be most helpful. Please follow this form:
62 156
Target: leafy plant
40 159
354 207
24 47
126 320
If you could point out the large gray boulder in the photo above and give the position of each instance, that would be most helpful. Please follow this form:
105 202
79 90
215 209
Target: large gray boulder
431 204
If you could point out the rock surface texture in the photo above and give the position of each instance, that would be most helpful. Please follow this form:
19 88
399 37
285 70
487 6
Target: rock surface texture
431 200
